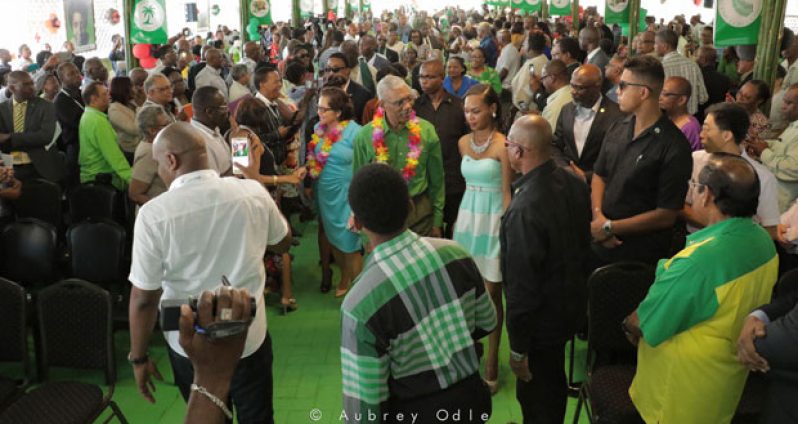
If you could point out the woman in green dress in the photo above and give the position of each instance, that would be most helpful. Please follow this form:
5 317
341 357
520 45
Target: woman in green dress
482 72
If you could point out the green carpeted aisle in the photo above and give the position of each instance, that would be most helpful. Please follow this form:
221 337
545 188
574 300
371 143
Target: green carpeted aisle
306 368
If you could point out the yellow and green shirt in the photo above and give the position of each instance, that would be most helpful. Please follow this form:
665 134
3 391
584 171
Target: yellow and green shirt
687 370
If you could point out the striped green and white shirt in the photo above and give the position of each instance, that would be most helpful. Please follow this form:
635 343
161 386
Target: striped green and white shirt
410 323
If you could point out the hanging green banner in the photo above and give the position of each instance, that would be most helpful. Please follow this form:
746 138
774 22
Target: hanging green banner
737 22
517 4
148 23
616 11
260 11
306 8
531 6
559 7
365 5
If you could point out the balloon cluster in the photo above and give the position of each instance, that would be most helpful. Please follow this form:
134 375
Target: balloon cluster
143 52
252 29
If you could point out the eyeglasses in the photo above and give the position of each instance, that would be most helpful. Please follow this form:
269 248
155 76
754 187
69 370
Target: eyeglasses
698 187
669 94
402 102
333 69
509 143
623 85
543 78
324 109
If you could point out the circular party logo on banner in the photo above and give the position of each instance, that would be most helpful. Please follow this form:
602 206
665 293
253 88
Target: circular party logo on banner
259 8
149 15
739 13
560 4
617 6
533 2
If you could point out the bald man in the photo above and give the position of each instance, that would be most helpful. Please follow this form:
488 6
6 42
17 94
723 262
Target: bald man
583 123
211 75
184 241
589 42
673 100
253 55
554 79
545 240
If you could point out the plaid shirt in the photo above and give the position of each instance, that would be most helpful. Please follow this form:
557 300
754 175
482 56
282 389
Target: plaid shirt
410 322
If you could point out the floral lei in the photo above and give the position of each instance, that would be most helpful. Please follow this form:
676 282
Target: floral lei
413 142
327 139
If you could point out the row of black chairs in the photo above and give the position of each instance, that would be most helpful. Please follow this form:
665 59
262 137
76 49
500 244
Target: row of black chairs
94 250
614 292
73 321
43 200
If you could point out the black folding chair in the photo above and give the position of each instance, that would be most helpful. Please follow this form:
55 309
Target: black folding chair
13 339
29 252
96 251
614 291
74 331
92 201
40 199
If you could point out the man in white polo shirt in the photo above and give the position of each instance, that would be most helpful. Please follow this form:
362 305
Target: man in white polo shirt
185 240
725 127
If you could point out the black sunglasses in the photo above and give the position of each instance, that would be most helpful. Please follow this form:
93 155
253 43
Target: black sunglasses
333 70
623 85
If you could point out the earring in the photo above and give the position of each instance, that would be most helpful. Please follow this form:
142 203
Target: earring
494 114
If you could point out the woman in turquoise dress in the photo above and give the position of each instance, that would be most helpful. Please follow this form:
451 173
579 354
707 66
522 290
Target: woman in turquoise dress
330 164
487 174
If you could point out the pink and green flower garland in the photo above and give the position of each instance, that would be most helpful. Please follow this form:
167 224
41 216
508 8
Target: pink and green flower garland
413 142
327 139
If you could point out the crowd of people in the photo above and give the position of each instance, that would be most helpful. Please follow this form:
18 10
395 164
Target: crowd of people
541 149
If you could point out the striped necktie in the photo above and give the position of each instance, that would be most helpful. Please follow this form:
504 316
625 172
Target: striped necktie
19 116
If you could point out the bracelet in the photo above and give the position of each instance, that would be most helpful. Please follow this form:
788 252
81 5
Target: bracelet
138 361
274 179
218 402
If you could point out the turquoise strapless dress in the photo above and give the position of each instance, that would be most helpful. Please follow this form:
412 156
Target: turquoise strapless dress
479 217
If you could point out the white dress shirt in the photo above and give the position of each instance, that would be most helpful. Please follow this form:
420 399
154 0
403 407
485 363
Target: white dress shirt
203 228
508 59
583 120
219 152
554 104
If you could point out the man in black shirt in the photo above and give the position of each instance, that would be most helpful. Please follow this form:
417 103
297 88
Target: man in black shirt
640 177
445 112
545 244
717 84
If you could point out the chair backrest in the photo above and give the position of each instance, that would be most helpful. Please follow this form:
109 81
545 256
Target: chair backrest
97 249
75 328
614 291
29 252
787 284
40 199
91 201
13 328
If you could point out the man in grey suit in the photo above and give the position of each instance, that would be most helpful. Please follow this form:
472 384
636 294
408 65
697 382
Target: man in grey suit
769 343
589 42
27 128
582 123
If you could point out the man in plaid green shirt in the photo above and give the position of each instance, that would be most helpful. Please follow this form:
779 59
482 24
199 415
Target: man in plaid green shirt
410 323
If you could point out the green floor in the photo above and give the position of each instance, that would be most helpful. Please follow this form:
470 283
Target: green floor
307 372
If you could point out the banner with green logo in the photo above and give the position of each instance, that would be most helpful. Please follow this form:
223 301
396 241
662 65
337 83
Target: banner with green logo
365 5
531 6
148 22
260 11
305 8
737 22
559 7
616 11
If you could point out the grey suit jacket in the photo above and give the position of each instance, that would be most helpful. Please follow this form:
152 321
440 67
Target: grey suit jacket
780 348
600 59
39 131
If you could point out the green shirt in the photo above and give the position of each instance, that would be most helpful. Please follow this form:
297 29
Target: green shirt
429 172
99 151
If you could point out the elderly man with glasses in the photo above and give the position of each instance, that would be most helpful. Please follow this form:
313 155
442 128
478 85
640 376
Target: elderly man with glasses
397 137
640 177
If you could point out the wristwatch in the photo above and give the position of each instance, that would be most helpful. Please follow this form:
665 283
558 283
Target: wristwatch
625 327
138 361
517 356
607 227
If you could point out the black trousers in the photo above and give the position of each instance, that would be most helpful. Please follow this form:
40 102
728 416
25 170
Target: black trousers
450 209
467 401
543 399
251 389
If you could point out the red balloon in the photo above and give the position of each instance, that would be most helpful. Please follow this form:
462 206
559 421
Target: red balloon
141 51
148 62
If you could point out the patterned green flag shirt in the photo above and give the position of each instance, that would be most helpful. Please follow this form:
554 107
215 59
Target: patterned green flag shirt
410 322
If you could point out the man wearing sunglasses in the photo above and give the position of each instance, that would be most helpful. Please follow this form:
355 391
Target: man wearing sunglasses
640 177
337 74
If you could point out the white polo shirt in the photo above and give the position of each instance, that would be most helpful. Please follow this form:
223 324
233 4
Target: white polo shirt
220 157
205 227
